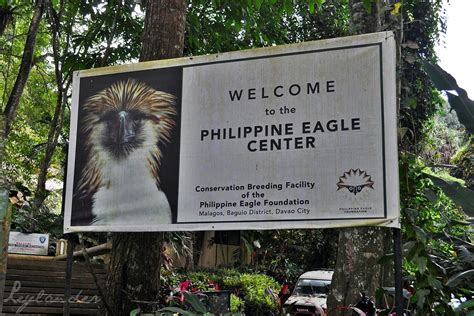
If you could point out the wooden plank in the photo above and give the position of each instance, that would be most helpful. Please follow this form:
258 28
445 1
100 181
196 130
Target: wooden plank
40 285
53 265
47 274
74 270
49 264
18 270
78 297
78 278
22 314
49 290
17 256
36 263
55 304
51 310
41 280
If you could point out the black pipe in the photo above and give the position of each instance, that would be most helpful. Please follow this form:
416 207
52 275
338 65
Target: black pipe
397 247
67 281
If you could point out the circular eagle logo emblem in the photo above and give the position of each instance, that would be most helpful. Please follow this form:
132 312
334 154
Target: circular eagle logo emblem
355 180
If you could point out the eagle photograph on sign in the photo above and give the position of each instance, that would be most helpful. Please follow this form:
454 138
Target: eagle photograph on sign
126 124
294 136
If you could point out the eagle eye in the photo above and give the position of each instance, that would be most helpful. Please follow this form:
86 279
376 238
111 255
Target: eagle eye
138 117
107 117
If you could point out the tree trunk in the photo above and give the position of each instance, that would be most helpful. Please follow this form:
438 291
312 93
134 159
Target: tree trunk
357 269
6 121
25 67
4 211
58 117
134 269
55 129
6 15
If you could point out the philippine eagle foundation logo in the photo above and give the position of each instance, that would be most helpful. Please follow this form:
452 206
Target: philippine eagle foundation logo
355 180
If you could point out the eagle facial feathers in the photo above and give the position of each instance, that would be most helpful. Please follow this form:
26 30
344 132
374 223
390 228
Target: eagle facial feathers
123 127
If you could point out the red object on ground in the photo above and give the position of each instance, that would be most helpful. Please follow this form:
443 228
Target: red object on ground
184 285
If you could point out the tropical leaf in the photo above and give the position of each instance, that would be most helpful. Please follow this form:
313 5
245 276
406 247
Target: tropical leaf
196 304
461 103
466 305
441 79
464 108
176 310
462 196
368 5
311 6
420 297
421 263
465 255
135 312
465 276
320 2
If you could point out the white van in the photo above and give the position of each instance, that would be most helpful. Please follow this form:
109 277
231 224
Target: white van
310 294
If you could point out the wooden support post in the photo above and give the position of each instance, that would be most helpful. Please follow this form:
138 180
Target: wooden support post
5 215
68 279
397 247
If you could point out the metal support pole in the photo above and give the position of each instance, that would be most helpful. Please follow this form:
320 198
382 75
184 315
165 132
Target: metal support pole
397 247
5 220
67 281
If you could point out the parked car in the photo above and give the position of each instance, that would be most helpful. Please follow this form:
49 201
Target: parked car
310 294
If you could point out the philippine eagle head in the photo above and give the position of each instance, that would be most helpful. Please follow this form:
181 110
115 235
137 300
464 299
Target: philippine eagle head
128 120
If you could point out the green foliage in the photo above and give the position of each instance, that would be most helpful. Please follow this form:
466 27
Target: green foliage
91 34
443 136
102 34
459 270
250 292
286 254
460 101
457 192
45 221
236 303
437 245
257 299
28 140
423 24
196 308
221 26
464 108
464 160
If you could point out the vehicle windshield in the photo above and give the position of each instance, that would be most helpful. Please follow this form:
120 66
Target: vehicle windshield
312 287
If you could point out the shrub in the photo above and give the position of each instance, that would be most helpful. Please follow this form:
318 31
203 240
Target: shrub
250 292
255 288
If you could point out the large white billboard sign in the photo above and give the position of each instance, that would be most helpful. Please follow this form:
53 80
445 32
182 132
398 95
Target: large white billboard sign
296 136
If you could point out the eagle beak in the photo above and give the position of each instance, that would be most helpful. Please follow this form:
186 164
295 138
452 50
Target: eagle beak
122 130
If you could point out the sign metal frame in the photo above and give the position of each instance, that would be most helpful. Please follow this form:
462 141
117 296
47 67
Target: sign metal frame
385 44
